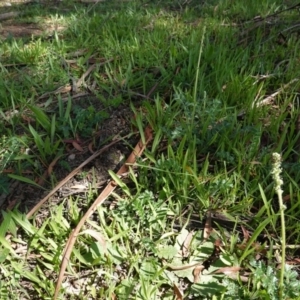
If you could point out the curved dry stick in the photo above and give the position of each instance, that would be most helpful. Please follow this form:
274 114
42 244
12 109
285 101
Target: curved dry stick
72 174
48 172
9 15
138 150
270 98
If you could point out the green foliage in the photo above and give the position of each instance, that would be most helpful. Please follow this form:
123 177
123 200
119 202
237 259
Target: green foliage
80 121
208 67
88 116
4 184
10 151
265 282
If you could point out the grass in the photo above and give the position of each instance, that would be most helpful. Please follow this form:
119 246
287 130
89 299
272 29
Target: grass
209 67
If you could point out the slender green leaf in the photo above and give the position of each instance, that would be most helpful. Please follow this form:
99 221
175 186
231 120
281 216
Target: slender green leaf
253 238
24 179
41 117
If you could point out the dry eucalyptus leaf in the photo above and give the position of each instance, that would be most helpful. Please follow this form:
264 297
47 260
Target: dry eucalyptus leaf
177 292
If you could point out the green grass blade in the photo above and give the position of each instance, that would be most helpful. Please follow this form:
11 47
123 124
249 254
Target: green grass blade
24 179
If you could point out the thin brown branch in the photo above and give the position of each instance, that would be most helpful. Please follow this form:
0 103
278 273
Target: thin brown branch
138 150
71 175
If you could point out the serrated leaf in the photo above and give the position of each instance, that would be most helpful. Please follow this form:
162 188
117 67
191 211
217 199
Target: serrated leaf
170 276
209 287
204 251
116 256
187 273
125 289
148 269
167 252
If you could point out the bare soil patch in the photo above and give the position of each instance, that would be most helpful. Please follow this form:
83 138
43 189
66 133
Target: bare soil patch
92 177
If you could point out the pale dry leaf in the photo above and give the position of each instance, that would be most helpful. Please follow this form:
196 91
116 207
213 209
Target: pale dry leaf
78 187
197 273
97 236
77 146
228 270
180 240
236 276
187 243
207 227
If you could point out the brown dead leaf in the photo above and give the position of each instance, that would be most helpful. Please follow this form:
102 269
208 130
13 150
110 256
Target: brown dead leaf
197 273
77 146
52 164
48 172
231 272
218 244
245 233
12 204
177 292
90 147
207 227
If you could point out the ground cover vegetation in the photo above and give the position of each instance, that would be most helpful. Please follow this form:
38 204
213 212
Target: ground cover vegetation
209 210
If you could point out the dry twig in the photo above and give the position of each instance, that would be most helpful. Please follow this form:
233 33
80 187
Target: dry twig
138 150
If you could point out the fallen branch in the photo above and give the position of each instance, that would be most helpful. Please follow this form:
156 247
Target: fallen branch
138 150
9 15
270 98
71 175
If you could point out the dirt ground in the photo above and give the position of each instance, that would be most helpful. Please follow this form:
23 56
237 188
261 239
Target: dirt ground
13 26
95 174
91 178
